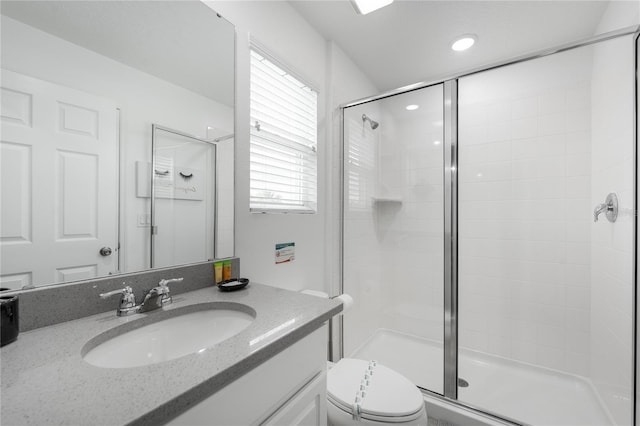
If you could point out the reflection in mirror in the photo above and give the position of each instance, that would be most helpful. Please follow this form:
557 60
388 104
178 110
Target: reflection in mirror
183 194
82 84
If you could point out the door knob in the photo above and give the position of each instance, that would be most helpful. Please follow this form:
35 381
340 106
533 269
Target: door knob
105 251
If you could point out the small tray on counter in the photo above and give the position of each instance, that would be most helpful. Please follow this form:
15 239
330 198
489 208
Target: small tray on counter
233 284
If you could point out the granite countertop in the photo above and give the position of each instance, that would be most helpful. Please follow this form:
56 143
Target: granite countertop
46 381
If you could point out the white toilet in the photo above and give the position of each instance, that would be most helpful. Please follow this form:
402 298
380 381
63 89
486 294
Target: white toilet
365 392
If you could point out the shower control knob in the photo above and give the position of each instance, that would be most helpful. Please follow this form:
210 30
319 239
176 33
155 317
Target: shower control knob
105 251
609 208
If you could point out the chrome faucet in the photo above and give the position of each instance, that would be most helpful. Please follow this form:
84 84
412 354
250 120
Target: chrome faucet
158 296
155 298
127 304
599 209
609 207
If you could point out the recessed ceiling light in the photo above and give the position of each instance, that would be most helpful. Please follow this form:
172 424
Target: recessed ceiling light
463 42
412 107
366 6
436 142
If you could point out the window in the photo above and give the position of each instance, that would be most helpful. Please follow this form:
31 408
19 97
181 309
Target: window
283 158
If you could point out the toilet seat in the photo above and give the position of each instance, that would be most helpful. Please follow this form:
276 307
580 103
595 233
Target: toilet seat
388 396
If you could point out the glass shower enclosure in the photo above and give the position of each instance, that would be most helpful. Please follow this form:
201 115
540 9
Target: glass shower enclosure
488 261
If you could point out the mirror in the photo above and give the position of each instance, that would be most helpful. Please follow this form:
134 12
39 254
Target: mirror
182 196
83 84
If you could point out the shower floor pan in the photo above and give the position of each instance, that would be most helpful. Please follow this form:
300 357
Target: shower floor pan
520 391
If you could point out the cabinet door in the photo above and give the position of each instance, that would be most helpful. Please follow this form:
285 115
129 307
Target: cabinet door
307 408
262 394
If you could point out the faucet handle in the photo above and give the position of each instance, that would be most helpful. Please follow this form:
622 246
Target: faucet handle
609 207
164 290
128 299
163 282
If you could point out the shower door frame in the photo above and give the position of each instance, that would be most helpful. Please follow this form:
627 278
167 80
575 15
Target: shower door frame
450 163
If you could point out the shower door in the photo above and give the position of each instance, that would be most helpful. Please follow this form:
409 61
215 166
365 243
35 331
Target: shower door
545 292
489 235
183 197
393 234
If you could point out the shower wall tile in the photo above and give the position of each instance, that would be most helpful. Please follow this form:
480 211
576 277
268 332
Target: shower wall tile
497 151
524 227
579 319
577 143
524 128
553 124
579 165
551 101
500 346
578 253
578 275
524 352
524 107
551 357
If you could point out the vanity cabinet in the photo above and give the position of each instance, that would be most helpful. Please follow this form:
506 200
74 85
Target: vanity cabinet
287 389
307 407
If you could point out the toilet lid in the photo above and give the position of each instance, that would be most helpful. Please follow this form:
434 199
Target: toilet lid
386 392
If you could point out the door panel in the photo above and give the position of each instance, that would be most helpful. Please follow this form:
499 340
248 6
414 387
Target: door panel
545 290
59 183
16 193
77 199
394 234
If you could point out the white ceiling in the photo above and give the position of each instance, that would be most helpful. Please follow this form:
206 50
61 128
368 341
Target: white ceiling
409 41
156 37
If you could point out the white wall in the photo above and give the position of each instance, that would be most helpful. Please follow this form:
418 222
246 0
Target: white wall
619 14
141 98
278 28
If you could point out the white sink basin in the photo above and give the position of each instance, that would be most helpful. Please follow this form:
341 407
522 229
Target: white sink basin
166 335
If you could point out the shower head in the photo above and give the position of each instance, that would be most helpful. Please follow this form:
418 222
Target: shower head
374 124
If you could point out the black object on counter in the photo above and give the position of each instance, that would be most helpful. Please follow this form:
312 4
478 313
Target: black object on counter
233 284
9 324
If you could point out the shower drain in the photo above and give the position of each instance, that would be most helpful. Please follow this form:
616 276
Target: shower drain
462 383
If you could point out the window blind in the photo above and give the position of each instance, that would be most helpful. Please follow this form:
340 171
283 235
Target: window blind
283 159
361 164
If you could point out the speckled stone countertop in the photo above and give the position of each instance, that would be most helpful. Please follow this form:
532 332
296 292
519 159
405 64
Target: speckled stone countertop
45 381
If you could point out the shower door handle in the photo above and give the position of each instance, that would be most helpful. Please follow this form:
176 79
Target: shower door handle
609 208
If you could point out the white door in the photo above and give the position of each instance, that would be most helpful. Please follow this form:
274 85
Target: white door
58 183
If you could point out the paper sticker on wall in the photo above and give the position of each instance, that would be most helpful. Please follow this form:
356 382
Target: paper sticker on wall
173 182
285 252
